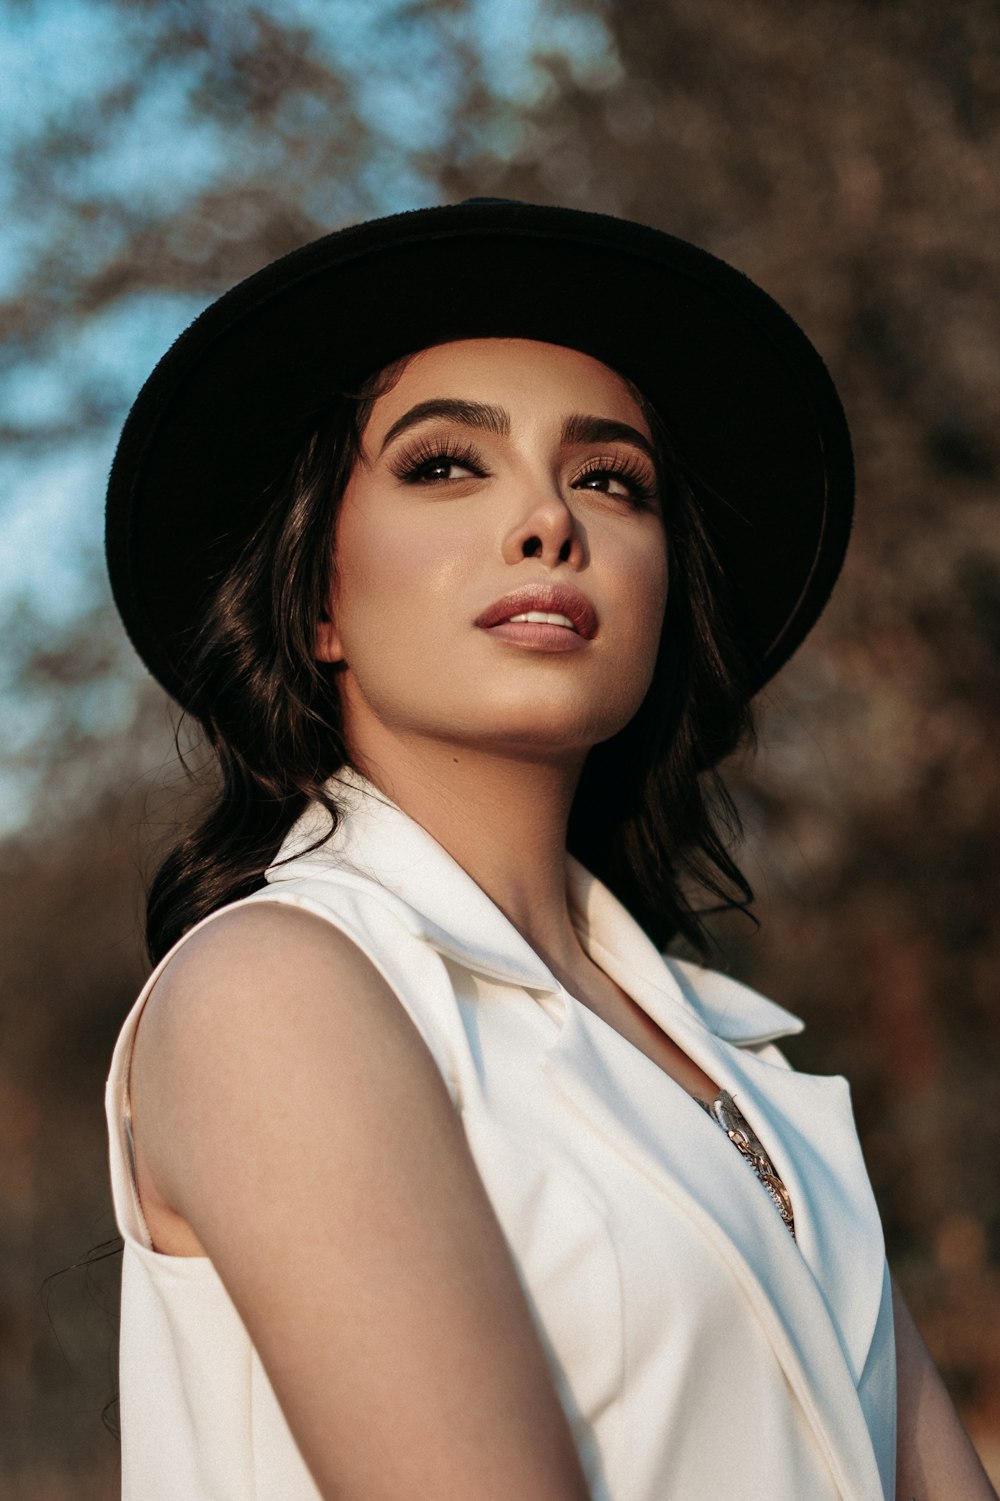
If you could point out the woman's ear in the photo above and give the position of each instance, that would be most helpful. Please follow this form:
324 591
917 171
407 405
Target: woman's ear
327 646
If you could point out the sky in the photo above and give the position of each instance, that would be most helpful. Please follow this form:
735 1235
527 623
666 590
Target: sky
64 394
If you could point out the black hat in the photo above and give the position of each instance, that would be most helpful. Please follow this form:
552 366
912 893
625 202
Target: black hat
744 394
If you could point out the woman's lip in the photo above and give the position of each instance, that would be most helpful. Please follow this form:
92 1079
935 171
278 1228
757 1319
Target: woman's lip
537 636
546 599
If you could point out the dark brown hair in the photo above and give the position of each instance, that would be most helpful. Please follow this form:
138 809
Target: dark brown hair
650 818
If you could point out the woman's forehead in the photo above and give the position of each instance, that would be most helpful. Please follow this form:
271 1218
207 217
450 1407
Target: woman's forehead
515 374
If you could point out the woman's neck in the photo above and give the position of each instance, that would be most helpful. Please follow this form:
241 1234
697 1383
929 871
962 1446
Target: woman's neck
503 818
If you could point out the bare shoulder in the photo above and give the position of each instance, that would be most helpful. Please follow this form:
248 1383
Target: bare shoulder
240 954
266 1001
257 969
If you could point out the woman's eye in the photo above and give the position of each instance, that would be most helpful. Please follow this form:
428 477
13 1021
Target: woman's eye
605 479
436 467
621 481
441 469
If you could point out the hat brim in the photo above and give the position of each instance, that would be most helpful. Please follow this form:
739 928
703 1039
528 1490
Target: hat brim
745 395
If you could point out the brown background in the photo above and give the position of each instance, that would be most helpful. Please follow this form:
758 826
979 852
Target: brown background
845 154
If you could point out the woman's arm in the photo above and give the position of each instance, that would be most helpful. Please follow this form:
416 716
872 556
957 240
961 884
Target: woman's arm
287 1108
935 1460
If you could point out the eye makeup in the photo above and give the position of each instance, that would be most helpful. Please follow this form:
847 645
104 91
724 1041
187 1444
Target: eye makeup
637 476
426 460
416 464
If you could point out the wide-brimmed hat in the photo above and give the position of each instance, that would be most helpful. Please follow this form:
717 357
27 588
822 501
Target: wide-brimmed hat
752 412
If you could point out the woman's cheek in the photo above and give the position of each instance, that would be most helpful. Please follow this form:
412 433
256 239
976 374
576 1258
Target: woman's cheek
393 588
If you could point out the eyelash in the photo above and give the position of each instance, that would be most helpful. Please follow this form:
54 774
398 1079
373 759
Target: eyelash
414 466
631 472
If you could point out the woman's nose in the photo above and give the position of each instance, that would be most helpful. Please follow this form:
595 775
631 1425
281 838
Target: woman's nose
548 532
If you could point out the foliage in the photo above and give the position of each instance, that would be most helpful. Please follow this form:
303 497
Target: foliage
844 153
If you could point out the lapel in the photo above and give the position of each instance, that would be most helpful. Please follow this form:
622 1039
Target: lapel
818 1297
380 848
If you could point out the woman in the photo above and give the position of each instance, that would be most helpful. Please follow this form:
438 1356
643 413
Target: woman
467 535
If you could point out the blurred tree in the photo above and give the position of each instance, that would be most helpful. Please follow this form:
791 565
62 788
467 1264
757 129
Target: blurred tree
842 152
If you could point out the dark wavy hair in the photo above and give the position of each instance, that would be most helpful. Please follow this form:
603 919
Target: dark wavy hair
650 817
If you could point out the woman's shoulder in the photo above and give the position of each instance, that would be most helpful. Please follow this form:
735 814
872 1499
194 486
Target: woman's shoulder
271 960
249 944
264 991
255 970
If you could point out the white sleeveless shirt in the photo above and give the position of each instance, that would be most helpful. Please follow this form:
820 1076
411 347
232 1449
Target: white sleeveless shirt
696 1347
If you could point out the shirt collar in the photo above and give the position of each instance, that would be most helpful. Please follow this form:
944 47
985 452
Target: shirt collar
377 844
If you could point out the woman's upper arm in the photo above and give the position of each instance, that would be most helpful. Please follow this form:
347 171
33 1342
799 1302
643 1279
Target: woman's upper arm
935 1457
286 1106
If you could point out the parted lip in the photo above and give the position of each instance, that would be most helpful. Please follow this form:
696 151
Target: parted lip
553 599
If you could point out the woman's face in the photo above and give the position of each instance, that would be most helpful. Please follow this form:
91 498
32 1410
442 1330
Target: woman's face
496 466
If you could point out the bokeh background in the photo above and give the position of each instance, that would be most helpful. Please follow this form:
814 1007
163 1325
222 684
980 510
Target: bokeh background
845 153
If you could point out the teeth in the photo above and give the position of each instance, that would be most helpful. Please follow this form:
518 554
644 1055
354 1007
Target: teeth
543 619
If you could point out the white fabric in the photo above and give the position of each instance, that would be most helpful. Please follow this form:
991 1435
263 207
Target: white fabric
697 1349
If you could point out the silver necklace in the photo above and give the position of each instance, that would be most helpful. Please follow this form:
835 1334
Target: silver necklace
725 1111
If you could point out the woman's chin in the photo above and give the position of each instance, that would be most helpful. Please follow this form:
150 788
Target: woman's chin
536 734
538 720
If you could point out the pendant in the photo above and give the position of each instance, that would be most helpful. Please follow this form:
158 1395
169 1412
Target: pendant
725 1111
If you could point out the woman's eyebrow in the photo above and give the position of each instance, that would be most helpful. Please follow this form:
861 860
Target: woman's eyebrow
469 413
581 429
